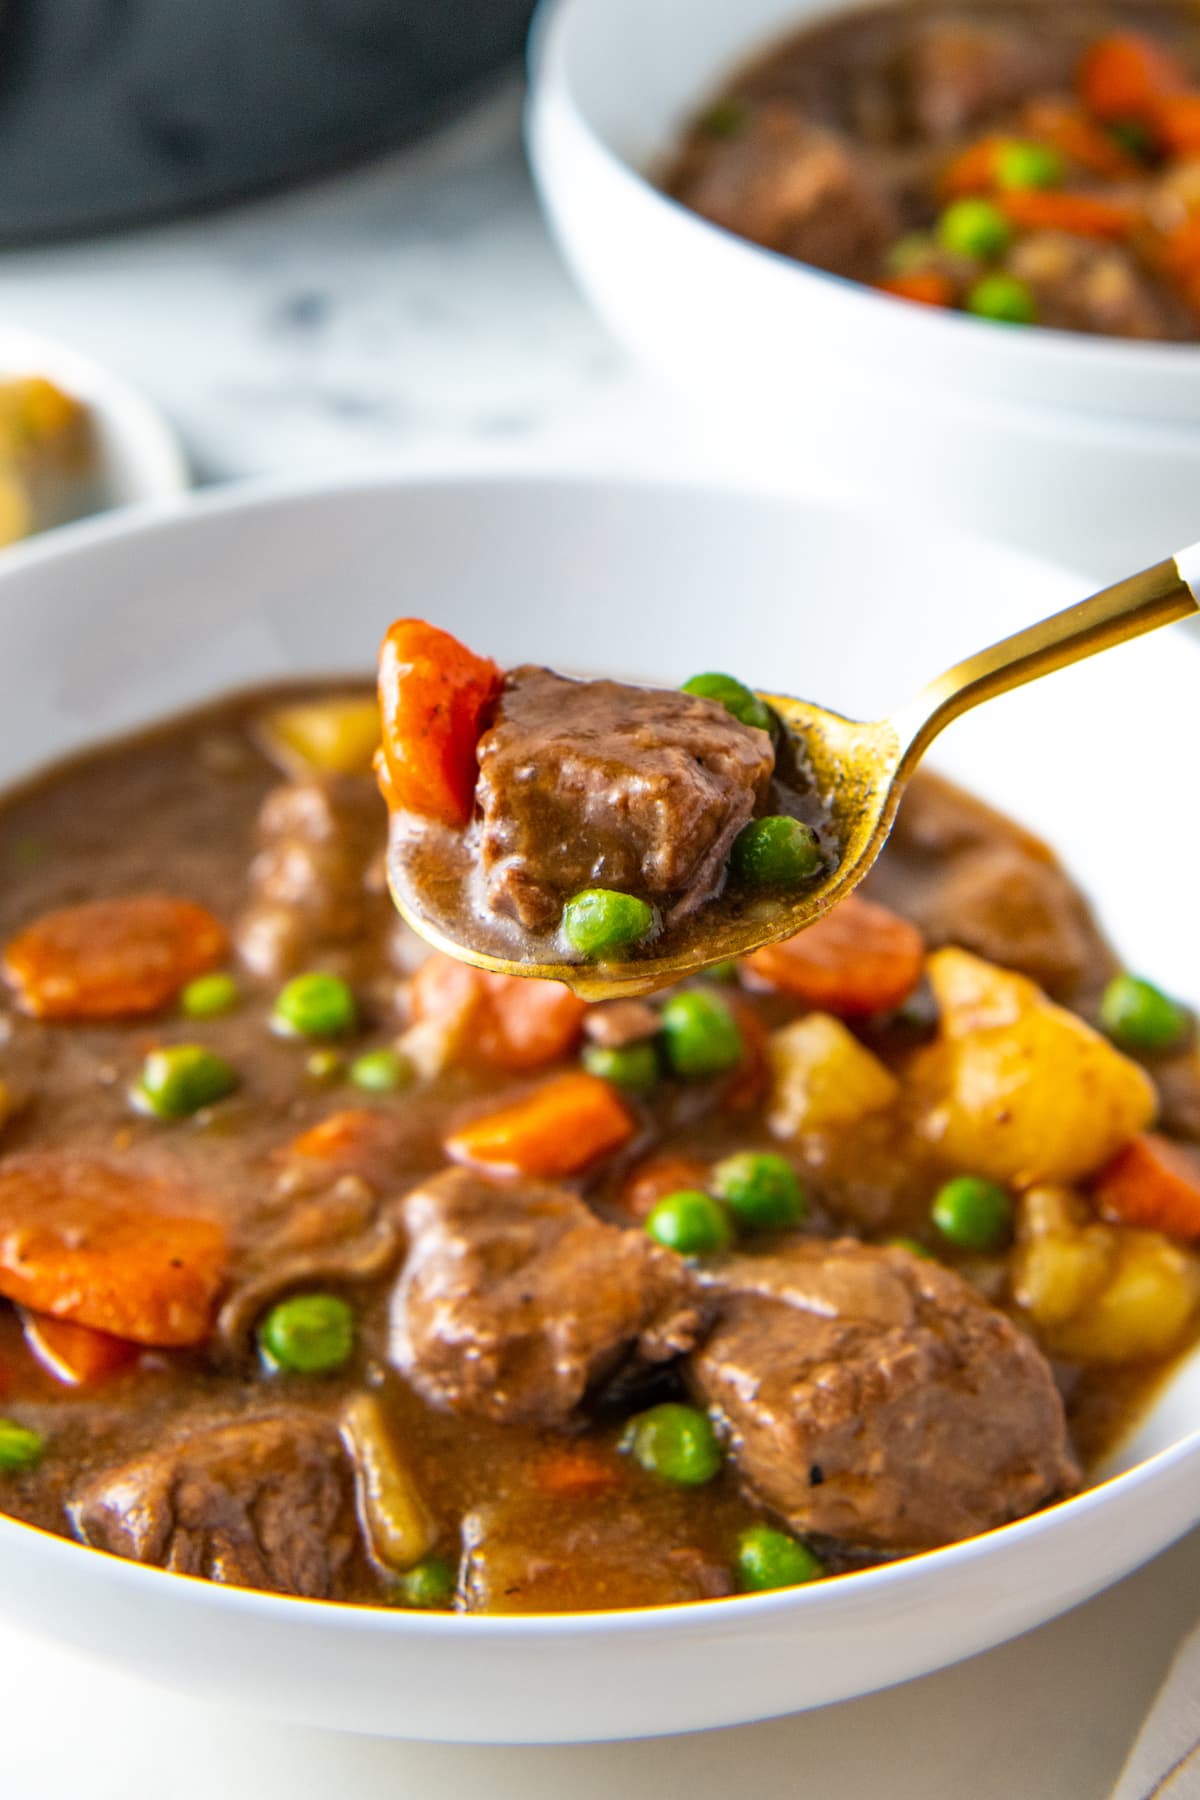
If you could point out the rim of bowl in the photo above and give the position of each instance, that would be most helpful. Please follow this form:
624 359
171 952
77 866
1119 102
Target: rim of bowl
548 56
155 517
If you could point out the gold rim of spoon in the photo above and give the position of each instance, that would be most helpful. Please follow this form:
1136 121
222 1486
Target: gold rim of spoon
861 771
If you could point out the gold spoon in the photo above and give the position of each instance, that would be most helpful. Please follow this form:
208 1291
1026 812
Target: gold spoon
861 771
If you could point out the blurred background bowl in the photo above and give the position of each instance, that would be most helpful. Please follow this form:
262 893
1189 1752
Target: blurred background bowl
1081 447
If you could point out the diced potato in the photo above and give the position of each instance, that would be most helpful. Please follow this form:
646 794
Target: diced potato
1018 1088
1063 1256
323 737
16 513
1096 1292
399 1527
823 1078
1142 1310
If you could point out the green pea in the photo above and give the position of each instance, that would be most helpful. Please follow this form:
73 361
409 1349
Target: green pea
428 1586
1003 299
677 1443
20 1448
735 697
725 118
381 1071
913 1245
690 1222
1025 165
209 996
633 1067
776 852
973 1214
760 1189
700 1034
600 920
974 228
1141 1018
315 1006
724 972
308 1334
768 1559
182 1079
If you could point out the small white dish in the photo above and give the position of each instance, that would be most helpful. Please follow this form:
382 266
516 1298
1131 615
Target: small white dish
138 456
1081 447
115 622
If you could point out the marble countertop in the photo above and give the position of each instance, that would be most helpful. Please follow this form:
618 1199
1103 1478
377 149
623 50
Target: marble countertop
411 311
414 312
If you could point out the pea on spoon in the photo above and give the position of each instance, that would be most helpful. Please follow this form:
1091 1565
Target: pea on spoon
859 771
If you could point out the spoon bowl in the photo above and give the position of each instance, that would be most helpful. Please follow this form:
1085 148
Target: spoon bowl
860 770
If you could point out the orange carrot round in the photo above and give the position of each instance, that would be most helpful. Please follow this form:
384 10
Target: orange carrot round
76 1354
651 1181
1153 1183
507 1022
105 1245
1123 76
859 959
928 287
113 959
1177 124
434 695
555 1131
1082 215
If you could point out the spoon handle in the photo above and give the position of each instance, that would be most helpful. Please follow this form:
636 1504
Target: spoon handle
1158 596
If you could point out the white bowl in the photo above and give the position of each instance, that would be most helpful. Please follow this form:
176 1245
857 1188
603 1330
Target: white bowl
116 622
138 456
1083 447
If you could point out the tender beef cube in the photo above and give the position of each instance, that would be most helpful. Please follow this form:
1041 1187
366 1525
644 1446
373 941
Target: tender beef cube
515 1300
956 73
594 784
523 1556
313 887
872 1396
791 186
1177 1078
968 876
261 1503
1081 285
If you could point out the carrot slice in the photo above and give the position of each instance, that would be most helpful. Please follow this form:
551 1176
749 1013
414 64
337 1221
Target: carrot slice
1082 215
973 170
505 1022
1177 124
113 959
355 1141
556 1130
1070 132
651 1181
1154 1183
928 287
859 959
76 1354
434 694
573 1475
1122 77
105 1245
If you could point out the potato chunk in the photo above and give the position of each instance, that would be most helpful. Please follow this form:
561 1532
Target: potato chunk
333 736
824 1079
1018 1088
1096 1292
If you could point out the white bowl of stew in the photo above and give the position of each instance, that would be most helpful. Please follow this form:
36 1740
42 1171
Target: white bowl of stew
116 627
1076 445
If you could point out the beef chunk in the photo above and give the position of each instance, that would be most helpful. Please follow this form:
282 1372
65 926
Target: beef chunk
1081 285
968 876
262 1503
793 187
314 892
514 1300
591 783
957 73
523 1556
872 1396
